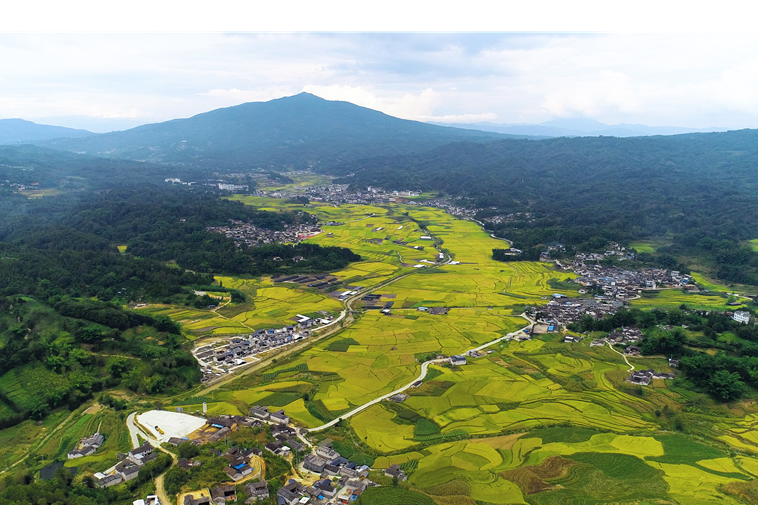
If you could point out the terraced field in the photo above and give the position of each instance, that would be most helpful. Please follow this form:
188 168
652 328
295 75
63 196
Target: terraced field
537 422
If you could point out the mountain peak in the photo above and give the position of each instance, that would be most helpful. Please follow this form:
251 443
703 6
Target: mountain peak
294 131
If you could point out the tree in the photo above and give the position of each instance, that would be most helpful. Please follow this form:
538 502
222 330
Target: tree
118 366
187 450
726 386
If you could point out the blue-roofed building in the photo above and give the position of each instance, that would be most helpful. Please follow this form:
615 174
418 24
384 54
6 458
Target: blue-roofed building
457 360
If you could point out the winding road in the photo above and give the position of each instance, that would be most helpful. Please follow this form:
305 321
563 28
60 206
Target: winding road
631 367
421 376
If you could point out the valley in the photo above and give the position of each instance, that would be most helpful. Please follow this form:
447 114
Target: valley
532 420
408 314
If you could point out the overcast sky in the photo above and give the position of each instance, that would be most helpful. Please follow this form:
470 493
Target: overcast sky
102 82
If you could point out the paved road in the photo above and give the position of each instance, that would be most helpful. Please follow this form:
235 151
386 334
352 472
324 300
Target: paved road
421 376
133 430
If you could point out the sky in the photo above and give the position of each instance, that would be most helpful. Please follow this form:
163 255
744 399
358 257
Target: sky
102 82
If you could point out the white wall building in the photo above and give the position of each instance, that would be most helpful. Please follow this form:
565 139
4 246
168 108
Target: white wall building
741 316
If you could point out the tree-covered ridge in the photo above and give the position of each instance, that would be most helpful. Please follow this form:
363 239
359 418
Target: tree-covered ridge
49 168
162 224
61 355
700 189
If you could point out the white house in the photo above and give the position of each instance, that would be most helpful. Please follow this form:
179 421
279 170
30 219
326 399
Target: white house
742 316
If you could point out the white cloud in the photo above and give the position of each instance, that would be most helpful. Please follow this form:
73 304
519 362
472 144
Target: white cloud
685 80
610 92
460 118
406 105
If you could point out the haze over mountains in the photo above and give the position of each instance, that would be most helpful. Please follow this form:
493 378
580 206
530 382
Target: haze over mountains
581 127
15 131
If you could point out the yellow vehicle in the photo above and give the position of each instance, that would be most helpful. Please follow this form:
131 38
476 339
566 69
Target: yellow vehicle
160 430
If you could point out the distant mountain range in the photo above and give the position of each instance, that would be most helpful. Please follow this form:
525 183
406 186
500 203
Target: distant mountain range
299 131
18 131
296 132
580 127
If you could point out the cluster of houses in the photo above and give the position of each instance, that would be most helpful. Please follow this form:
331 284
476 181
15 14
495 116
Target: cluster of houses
240 463
324 491
406 244
645 377
128 468
621 284
219 358
338 194
219 495
87 446
263 414
452 209
562 310
510 218
625 335
340 481
248 234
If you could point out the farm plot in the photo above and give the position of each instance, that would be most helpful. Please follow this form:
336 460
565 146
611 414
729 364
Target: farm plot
470 462
197 321
379 354
24 386
375 427
276 306
672 298
605 466
508 391
373 237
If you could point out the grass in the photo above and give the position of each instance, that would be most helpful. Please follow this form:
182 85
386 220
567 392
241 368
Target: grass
17 441
683 450
650 246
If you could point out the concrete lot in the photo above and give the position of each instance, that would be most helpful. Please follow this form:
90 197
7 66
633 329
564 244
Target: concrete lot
174 424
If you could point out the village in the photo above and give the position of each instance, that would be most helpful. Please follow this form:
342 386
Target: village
247 234
225 355
322 476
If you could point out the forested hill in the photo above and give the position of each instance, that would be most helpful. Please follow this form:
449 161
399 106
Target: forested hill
50 168
650 184
17 130
700 190
297 131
